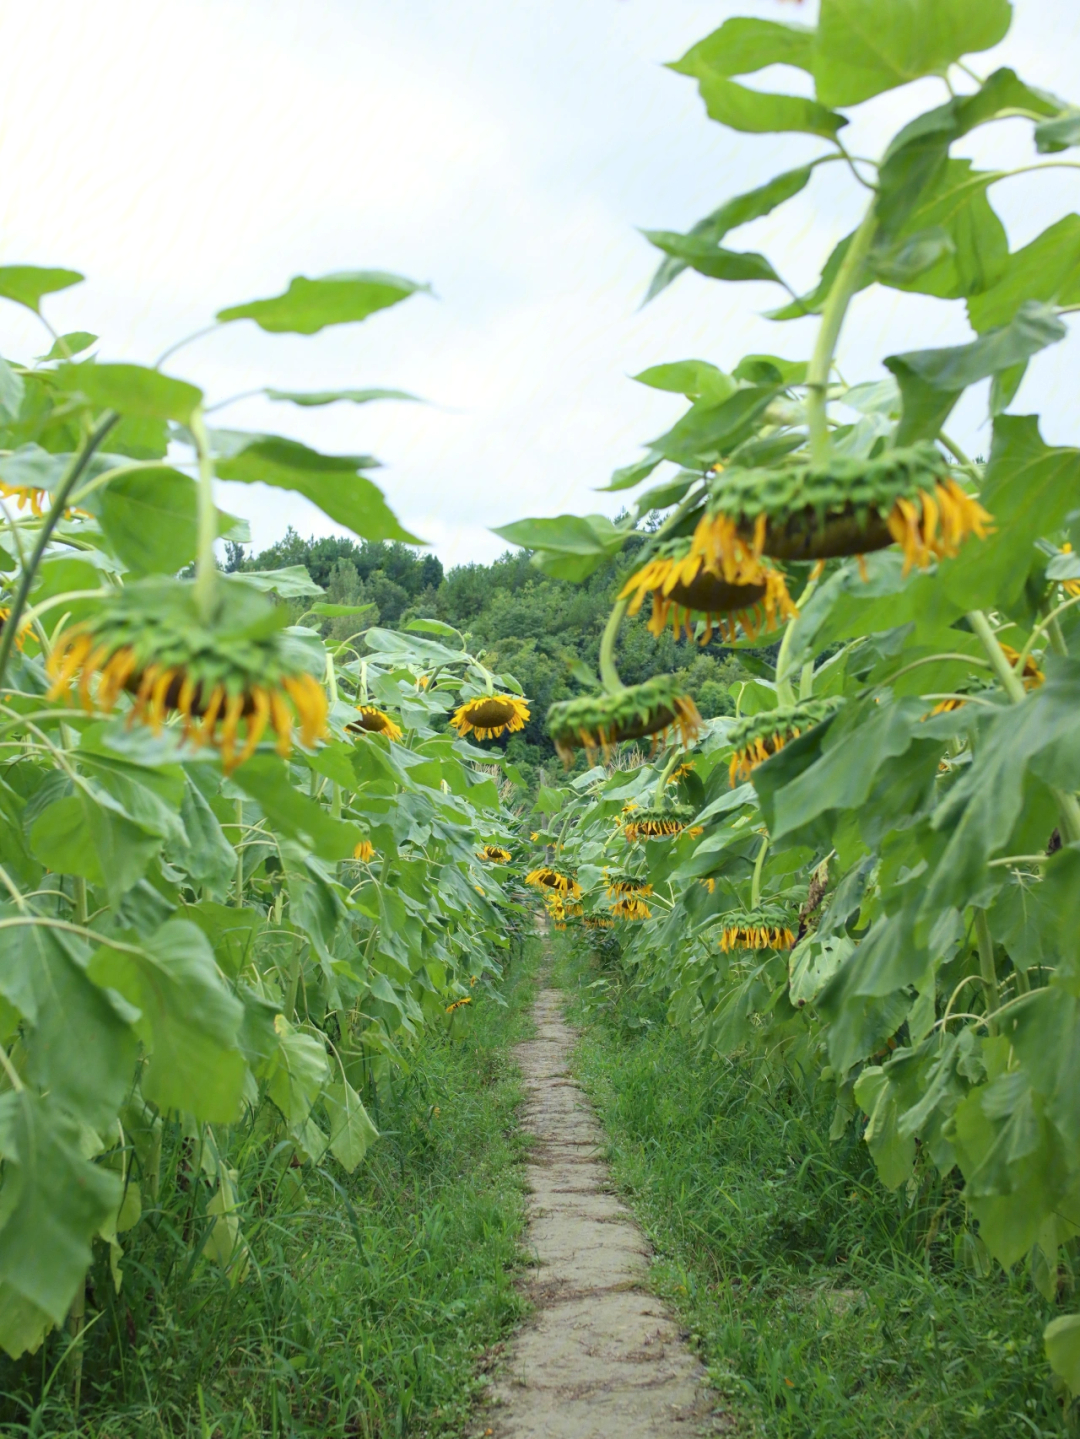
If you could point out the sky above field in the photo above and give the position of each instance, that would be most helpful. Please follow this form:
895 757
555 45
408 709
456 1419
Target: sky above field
189 154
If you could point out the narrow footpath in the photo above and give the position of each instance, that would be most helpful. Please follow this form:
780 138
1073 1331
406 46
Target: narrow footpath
601 1358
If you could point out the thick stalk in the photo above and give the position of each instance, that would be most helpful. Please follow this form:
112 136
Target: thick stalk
1013 685
59 498
205 564
785 690
832 319
987 968
665 775
759 865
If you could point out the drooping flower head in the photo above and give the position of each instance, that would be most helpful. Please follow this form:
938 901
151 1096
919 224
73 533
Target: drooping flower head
494 854
553 879
654 823
765 928
682 586
631 908
598 921
599 722
375 721
758 737
619 885
23 495
364 851
849 506
229 681
489 716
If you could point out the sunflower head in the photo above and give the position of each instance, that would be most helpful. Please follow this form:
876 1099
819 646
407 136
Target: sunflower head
656 823
619 885
364 851
375 721
546 878
758 737
494 854
631 908
229 681
850 506
683 586
598 921
489 716
599 722
765 928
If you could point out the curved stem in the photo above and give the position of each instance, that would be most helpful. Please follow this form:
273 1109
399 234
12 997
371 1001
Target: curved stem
79 462
179 345
665 775
609 675
785 691
205 564
759 865
832 319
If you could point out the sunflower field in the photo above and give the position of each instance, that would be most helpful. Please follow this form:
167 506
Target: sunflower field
245 874
870 875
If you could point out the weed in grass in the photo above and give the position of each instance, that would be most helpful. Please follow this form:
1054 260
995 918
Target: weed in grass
822 1304
368 1300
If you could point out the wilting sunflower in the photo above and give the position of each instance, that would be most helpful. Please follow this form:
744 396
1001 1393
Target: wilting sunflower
457 1004
760 736
229 681
656 823
375 721
756 929
683 585
489 716
599 722
364 851
802 511
631 908
494 854
626 884
597 921
545 878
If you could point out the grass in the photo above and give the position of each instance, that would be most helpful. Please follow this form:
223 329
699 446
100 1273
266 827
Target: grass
822 1304
371 1301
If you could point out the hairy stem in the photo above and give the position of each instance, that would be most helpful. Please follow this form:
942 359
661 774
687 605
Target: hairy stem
79 462
832 320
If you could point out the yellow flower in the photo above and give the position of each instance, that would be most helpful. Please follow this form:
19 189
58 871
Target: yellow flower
1033 675
495 854
375 721
915 525
25 496
619 885
24 626
1071 587
545 878
489 716
364 851
458 1003
631 908
534 836
682 587
756 936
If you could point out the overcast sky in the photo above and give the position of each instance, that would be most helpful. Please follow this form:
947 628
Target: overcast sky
188 154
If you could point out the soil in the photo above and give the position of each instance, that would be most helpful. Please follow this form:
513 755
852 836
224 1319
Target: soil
601 1357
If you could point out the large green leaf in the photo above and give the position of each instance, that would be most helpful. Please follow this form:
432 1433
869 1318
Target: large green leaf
709 432
742 45
758 113
351 1131
565 535
932 381
150 514
26 284
55 1201
1062 1339
864 47
332 482
91 835
134 391
1047 270
266 779
700 254
696 379
190 1021
310 305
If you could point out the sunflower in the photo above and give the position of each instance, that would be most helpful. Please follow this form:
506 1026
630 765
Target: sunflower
495 854
682 584
756 929
457 1004
489 716
375 721
631 908
656 823
625 884
849 507
546 878
1032 675
364 851
597 921
759 737
680 772
24 496
599 722
149 641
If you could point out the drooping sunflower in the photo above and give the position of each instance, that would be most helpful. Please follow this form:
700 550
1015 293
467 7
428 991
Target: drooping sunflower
494 854
626 884
683 585
850 506
23 495
656 823
760 736
756 929
375 721
598 921
599 722
546 878
631 908
489 716
364 851
229 681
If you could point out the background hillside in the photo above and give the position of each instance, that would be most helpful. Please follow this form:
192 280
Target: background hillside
544 632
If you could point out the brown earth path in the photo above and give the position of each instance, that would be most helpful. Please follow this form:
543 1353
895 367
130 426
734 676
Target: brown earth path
600 1358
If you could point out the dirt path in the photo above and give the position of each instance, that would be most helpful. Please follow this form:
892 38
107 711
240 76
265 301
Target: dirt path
601 1358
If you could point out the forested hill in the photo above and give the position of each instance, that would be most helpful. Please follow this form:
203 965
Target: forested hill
545 632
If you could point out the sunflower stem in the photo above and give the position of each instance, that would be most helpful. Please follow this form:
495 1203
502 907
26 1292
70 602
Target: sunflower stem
785 690
79 462
661 783
832 319
1013 685
238 901
987 968
205 564
759 865
608 673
